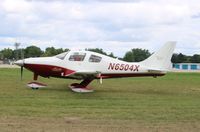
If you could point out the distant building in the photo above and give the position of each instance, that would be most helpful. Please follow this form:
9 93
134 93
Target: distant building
186 66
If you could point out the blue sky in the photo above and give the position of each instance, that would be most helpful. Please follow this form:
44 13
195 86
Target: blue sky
115 26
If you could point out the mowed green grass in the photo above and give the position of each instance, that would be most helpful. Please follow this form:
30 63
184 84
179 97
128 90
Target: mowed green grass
173 98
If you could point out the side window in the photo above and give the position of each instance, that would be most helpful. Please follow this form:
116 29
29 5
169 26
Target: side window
94 58
77 56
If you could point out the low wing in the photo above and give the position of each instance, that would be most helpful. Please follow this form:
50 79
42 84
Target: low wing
85 74
151 70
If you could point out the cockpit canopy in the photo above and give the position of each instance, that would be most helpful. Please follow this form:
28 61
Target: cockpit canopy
80 56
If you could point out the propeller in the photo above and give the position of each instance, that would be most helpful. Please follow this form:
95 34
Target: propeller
22 65
22 69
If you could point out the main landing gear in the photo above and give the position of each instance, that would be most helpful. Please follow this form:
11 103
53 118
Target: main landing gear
75 87
82 87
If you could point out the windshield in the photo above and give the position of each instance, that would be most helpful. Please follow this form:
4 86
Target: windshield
61 56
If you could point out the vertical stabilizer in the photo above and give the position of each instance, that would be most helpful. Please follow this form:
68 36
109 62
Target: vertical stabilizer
162 58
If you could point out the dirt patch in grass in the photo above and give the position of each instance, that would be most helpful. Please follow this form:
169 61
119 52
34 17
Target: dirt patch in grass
76 124
8 66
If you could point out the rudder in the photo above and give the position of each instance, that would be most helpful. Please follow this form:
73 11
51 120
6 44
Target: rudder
162 58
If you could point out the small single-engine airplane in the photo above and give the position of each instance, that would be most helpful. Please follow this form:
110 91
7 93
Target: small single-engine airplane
87 66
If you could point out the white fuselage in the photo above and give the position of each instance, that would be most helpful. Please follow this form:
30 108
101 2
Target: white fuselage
107 67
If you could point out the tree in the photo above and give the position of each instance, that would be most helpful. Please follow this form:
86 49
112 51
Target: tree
1 56
136 55
61 50
128 57
51 51
112 55
195 58
100 51
18 53
33 51
174 58
7 53
140 54
179 58
65 50
97 50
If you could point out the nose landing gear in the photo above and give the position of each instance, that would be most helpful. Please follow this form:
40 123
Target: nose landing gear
34 84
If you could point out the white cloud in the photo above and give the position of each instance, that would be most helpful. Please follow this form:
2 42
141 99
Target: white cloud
115 25
13 6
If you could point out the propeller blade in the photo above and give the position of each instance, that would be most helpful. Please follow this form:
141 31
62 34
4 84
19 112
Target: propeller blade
22 69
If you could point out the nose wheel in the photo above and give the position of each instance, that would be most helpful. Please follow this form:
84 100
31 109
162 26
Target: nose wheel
82 87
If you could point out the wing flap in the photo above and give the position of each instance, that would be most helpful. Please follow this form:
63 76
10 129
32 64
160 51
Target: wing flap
157 70
94 73
85 74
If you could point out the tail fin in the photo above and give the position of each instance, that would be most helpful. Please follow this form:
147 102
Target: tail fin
162 58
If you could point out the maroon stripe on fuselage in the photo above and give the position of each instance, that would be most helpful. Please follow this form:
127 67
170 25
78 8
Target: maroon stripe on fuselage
48 70
131 75
56 71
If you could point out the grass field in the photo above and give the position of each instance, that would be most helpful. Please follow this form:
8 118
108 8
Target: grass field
169 103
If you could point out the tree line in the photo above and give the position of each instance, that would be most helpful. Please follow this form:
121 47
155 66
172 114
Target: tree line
31 51
134 55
